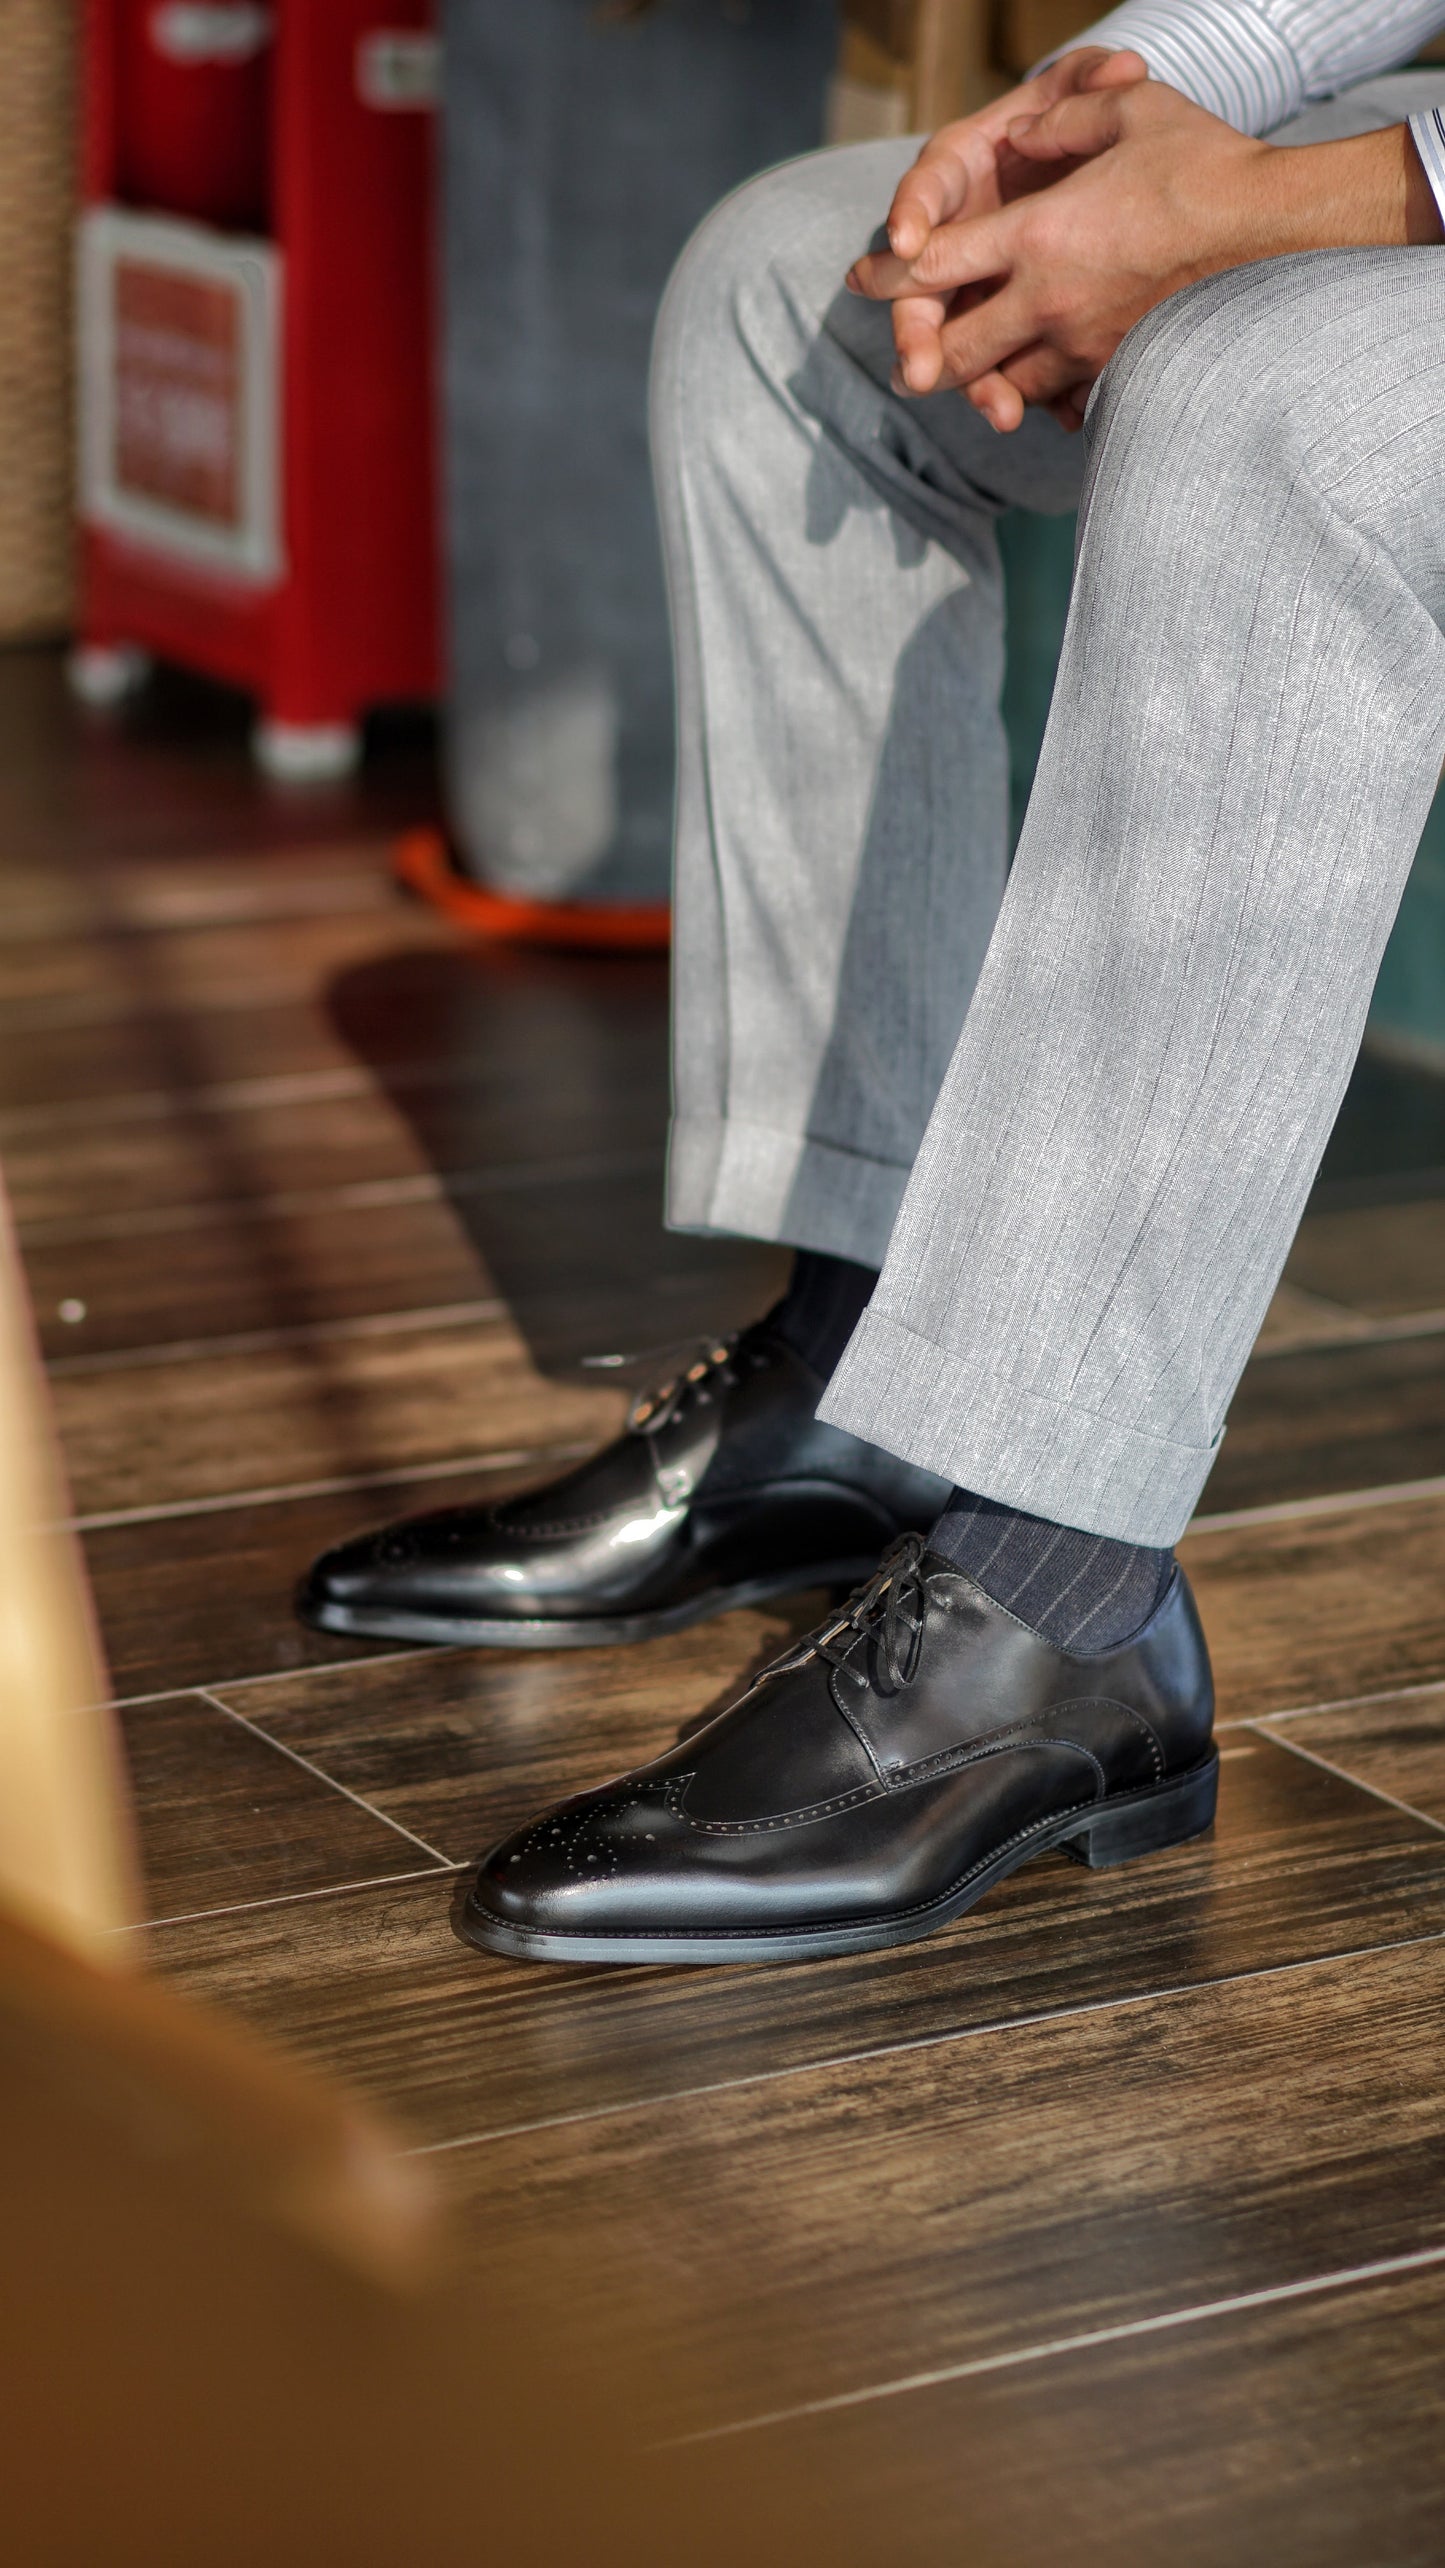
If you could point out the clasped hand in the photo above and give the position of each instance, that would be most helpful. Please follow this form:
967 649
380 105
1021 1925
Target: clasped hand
1027 240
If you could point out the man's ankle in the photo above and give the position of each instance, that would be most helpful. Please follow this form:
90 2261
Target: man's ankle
1083 1592
825 1299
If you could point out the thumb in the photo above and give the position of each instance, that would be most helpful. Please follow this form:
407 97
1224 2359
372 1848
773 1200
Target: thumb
1076 129
1122 70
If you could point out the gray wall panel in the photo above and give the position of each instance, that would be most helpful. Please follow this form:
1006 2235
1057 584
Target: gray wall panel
580 153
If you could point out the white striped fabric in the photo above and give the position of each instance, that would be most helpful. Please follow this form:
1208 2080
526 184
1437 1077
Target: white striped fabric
1429 133
1257 62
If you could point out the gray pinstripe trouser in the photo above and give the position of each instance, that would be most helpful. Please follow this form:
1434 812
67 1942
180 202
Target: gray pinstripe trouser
1080 1116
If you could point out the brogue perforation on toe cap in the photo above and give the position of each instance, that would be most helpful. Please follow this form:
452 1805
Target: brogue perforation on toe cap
798 1822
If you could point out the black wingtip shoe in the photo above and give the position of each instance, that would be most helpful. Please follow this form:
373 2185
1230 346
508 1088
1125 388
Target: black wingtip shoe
723 1490
873 1783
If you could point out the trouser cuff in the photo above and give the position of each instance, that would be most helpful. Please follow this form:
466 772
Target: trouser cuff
1002 1441
745 1178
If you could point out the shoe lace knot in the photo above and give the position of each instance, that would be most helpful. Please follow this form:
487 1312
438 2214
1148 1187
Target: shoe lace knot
889 1609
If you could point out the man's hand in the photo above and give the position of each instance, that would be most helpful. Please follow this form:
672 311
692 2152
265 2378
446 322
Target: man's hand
1026 302
969 168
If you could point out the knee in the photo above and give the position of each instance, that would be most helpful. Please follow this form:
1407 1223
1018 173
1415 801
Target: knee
733 245
1213 381
763 266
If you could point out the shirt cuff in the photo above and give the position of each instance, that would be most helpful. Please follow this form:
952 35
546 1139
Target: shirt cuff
1220 53
1428 132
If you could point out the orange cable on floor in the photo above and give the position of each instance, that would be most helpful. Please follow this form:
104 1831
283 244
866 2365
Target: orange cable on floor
422 860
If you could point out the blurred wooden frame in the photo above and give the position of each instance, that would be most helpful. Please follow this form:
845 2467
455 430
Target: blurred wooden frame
237 2325
66 1858
906 66
36 192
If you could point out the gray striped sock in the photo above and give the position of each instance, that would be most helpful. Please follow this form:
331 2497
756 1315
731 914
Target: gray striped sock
1082 1591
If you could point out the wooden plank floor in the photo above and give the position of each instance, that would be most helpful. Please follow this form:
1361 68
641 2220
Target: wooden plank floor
1111 2221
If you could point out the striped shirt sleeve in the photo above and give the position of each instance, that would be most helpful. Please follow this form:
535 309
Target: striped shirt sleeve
1257 62
1428 132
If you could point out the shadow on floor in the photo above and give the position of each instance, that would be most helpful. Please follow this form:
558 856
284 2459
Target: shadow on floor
1388 1143
536 1087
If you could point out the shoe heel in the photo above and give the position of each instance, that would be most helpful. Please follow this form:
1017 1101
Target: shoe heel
1166 1817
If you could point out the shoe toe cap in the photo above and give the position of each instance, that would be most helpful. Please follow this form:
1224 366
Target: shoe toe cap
588 1867
436 1561
350 1573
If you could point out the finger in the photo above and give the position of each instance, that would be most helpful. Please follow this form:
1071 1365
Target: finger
957 254
884 279
881 276
1069 407
999 401
1076 129
917 337
933 191
1015 177
964 253
936 189
960 156
983 341
1042 374
1086 67
1122 70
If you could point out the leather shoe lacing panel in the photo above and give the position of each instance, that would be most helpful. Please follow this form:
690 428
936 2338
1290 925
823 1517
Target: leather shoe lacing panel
890 1610
718 1364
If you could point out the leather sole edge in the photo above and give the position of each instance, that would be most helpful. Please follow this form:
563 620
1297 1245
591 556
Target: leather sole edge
1118 1830
579 1632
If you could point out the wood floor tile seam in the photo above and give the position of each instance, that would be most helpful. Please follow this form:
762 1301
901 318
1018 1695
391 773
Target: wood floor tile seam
1334 1703
1366 1329
118 1007
309 1766
367 892
419 1650
1004 2024
421 1654
1328 1303
211 991
274 1341
1381 2269
1342 1774
41 926
1332 1502
282 1493
362 1194
233 1096
289 1898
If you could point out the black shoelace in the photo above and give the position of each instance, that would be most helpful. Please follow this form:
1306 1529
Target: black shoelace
889 1609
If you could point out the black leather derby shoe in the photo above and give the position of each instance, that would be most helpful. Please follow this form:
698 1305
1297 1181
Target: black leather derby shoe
724 1489
871 1784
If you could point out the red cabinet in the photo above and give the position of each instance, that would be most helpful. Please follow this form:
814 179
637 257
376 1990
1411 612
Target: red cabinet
193 108
258 356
